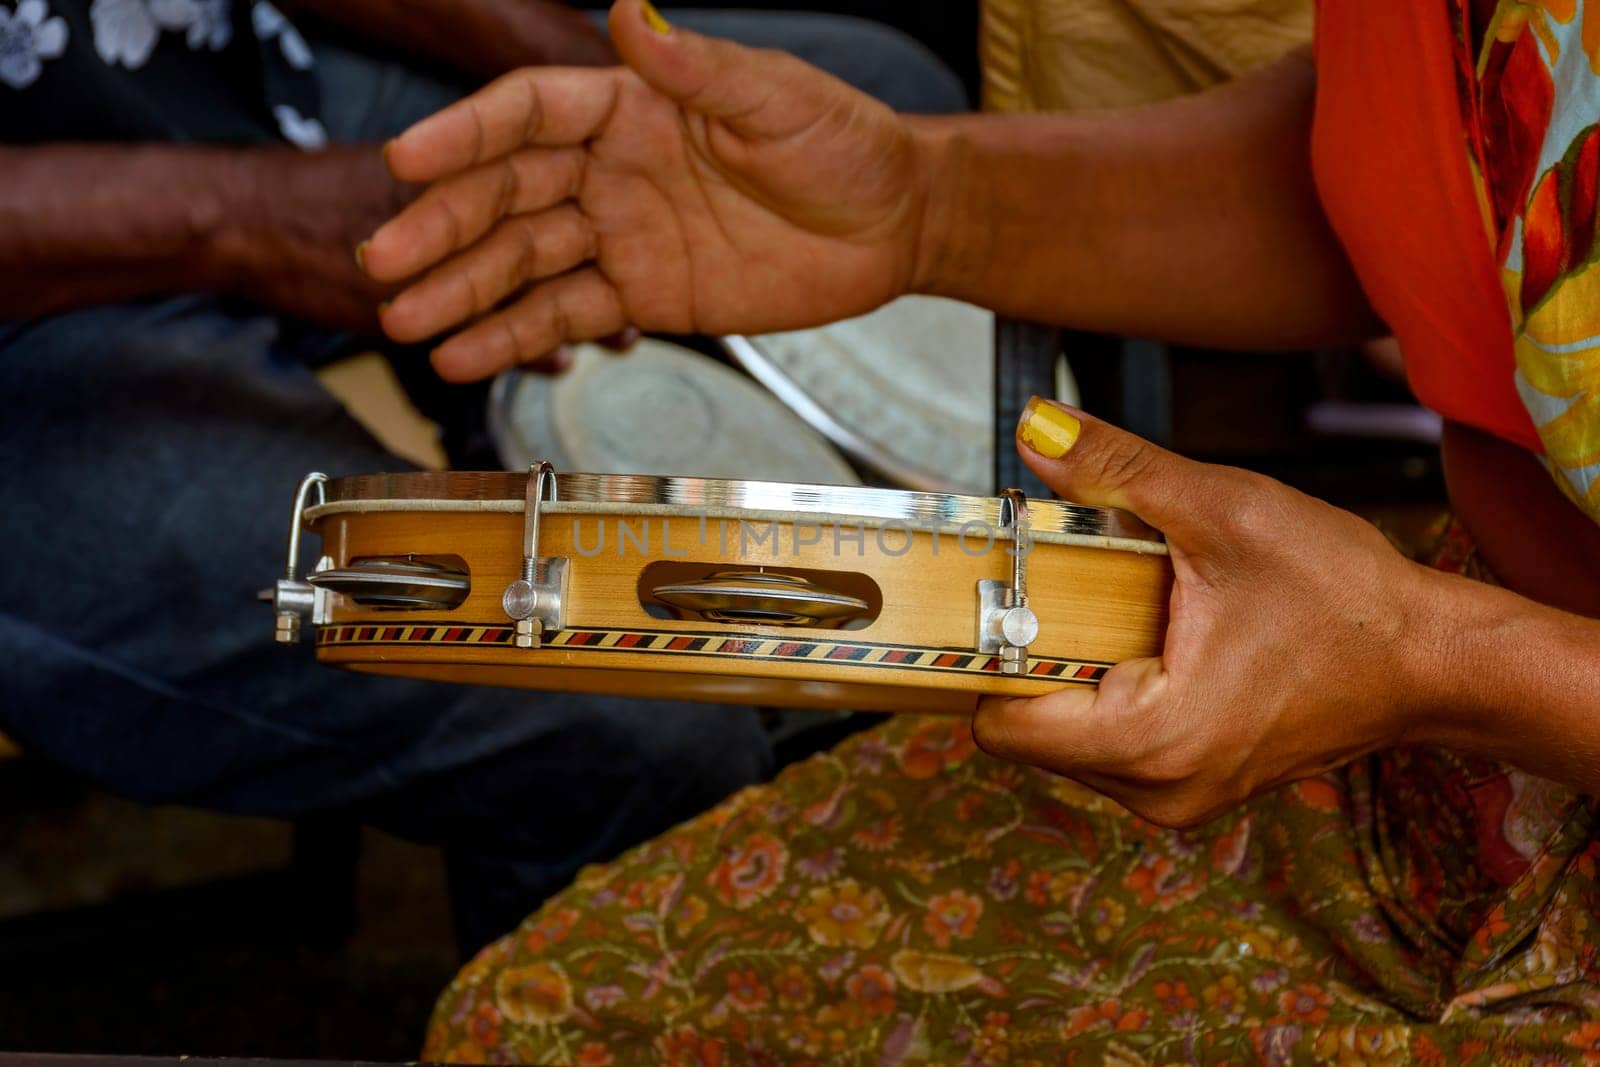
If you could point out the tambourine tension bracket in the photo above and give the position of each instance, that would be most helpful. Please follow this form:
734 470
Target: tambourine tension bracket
536 602
1006 624
294 600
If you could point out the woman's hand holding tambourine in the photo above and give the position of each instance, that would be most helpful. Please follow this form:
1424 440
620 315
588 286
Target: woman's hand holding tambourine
1298 639
705 187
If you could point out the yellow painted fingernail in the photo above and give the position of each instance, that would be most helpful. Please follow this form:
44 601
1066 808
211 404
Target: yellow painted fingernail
653 18
361 255
1047 429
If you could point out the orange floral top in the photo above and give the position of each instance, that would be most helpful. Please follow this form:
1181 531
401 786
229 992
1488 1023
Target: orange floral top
1483 262
1529 83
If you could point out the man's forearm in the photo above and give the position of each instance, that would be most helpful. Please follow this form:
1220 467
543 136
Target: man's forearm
86 224
1194 221
482 37
80 224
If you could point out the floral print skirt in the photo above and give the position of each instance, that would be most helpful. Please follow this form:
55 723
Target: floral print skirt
907 899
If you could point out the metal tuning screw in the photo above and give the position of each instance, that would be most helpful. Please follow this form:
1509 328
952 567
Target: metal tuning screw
294 600
535 602
1006 624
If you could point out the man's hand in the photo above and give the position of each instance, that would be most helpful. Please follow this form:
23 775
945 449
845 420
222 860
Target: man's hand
288 239
1298 638
706 188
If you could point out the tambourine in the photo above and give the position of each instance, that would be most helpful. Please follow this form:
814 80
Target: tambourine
764 593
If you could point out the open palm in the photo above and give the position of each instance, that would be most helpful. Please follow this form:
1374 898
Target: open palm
704 188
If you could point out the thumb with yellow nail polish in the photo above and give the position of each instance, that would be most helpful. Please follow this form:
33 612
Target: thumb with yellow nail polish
1092 462
1048 429
653 19
758 95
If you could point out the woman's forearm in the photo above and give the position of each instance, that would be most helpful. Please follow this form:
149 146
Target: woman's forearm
1510 679
1194 221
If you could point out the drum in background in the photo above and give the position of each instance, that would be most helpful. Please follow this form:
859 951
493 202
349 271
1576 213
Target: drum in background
781 595
907 391
658 407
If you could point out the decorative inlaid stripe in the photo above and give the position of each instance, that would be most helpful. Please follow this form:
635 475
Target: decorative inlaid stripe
715 646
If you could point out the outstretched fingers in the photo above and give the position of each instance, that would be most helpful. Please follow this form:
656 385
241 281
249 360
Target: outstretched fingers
579 306
549 106
451 215
522 249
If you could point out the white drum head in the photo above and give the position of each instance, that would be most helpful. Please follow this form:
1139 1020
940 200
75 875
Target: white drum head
659 409
907 390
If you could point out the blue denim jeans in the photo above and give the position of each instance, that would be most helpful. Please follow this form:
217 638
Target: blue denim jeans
147 459
148 454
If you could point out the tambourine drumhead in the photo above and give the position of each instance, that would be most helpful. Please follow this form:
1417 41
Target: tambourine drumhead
650 494
657 407
775 594
907 390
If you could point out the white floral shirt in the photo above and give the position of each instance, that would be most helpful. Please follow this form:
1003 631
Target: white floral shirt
29 35
203 70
